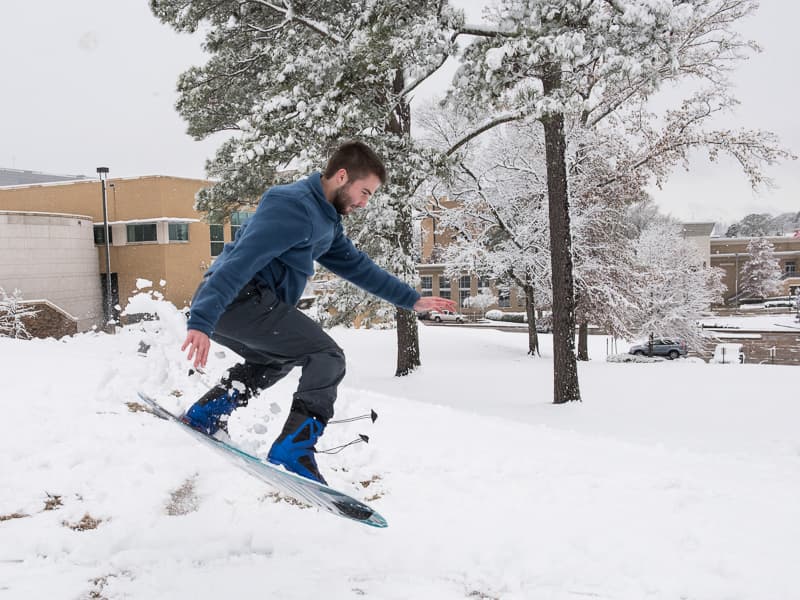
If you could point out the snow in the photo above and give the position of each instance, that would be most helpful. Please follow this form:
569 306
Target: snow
675 479
754 322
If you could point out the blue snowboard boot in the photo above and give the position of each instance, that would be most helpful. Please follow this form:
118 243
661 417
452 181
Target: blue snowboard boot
294 448
210 413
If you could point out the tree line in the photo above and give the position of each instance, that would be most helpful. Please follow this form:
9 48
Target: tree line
291 78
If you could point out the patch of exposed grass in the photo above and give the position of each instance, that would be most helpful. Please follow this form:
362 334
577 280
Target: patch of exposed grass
14 515
53 501
378 494
481 595
135 407
183 500
100 583
369 482
278 497
85 524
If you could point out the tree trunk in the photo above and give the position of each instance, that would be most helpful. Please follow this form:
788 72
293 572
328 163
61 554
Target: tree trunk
565 376
530 309
583 340
408 356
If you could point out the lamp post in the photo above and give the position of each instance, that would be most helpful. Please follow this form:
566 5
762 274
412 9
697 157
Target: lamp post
103 173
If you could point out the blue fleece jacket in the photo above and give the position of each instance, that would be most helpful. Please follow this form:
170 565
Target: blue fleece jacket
293 226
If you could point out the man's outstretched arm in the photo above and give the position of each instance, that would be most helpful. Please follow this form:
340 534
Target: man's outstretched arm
427 303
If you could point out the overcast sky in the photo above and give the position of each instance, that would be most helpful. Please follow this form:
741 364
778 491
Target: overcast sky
89 83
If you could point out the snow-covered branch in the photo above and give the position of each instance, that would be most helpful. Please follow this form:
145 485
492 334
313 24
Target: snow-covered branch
289 14
484 127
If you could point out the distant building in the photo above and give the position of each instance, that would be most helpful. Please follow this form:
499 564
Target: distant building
22 177
156 234
730 254
699 234
433 281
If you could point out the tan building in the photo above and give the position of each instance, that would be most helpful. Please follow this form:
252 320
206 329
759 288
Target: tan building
730 254
155 232
699 235
431 270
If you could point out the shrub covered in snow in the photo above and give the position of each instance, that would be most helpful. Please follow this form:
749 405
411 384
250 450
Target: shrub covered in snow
507 317
13 313
632 358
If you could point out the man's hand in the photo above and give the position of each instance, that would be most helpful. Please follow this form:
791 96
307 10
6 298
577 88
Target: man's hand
198 344
427 303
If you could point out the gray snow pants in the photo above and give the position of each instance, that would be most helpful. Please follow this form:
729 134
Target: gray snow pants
273 338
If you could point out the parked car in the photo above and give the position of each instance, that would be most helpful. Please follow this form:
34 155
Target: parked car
445 315
661 347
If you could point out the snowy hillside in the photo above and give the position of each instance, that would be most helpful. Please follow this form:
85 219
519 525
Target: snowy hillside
674 480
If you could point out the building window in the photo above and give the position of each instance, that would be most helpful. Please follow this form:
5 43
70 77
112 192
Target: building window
504 298
217 239
99 235
178 232
464 288
142 232
790 267
427 285
483 284
444 287
237 220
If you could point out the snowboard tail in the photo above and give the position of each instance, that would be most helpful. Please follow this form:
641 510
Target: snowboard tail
300 488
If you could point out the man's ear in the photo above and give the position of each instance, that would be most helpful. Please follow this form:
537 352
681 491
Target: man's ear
341 176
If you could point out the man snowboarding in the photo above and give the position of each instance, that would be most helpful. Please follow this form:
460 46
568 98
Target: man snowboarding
247 300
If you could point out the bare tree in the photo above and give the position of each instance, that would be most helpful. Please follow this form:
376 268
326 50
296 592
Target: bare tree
13 314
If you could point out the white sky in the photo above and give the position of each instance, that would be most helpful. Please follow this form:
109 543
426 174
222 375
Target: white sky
92 83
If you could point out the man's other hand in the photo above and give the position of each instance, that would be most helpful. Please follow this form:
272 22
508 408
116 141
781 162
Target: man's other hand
427 303
198 344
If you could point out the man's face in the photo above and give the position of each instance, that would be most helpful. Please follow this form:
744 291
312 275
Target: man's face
355 194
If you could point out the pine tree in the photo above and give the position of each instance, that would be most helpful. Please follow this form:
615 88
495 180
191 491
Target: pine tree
295 79
13 314
761 273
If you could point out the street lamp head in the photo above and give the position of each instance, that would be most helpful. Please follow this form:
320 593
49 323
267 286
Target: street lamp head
101 170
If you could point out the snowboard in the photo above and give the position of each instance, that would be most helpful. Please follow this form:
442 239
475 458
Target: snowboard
299 488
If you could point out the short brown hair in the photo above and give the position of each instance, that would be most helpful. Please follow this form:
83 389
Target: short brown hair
358 159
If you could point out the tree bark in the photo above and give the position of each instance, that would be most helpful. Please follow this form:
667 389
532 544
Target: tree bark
583 340
565 375
530 310
408 355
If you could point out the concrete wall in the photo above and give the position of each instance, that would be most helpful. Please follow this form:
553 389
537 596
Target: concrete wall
52 257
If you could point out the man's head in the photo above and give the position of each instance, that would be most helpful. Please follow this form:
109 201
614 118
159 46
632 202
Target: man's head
353 174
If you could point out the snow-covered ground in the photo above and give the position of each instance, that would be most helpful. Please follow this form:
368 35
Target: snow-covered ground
760 322
675 480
